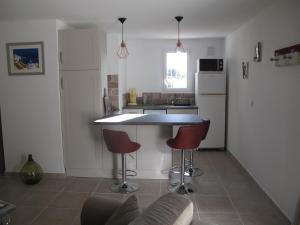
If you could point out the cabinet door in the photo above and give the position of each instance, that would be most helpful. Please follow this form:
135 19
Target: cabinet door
81 105
79 50
212 107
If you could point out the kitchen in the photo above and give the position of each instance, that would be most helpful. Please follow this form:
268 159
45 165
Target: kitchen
52 115
144 73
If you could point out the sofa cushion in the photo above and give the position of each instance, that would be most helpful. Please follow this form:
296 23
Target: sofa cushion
126 213
170 209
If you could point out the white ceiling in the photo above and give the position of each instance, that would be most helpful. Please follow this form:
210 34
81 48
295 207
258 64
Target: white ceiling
146 18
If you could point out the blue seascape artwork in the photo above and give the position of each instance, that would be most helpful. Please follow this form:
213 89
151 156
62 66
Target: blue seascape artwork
27 58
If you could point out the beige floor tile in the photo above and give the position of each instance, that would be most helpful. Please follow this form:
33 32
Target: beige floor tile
38 198
81 184
149 187
264 219
104 185
246 205
50 184
224 219
207 204
14 196
24 215
209 174
13 182
56 216
209 188
59 200
71 200
254 193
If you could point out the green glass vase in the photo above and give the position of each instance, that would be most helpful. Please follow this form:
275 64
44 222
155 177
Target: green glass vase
31 172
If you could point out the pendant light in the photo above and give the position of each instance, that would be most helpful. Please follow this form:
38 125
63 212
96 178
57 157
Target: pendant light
122 51
179 46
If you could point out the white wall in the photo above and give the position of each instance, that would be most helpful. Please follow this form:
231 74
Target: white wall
145 64
30 105
265 136
114 64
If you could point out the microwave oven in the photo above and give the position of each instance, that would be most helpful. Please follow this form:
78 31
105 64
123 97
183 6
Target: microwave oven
209 65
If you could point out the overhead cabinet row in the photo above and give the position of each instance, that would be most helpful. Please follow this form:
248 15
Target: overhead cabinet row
79 49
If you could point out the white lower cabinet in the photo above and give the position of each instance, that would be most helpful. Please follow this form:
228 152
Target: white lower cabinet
80 105
154 156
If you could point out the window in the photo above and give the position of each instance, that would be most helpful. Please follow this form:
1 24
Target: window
176 70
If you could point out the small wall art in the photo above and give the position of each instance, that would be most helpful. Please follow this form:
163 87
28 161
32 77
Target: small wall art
245 70
287 56
257 52
25 58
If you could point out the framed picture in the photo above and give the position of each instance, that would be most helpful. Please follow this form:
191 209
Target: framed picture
25 58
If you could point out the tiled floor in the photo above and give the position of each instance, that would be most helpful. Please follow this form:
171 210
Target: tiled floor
224 195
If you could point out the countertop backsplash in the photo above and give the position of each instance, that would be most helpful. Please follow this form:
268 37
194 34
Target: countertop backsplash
157 98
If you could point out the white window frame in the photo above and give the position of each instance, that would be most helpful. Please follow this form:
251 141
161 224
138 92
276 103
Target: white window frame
164 69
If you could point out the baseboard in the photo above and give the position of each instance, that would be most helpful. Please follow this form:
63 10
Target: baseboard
259 184
47 175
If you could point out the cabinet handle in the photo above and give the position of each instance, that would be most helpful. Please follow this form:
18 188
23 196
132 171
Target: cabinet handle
60 57
61 83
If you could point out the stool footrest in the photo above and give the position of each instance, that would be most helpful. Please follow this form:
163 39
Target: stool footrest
129 173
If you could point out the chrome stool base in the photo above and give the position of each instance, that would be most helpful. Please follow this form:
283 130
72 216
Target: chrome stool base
182 189
124 188
193 172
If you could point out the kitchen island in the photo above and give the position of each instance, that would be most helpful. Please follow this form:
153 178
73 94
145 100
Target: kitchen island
153 159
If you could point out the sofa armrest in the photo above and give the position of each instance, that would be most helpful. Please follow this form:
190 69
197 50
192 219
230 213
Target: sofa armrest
97 210
297 214
169 209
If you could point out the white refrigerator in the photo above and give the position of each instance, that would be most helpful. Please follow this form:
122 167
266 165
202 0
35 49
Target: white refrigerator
210 92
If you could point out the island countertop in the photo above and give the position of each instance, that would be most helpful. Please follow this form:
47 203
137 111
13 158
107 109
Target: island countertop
151 107
150 119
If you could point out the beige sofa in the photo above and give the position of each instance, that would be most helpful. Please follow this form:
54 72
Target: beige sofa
169 209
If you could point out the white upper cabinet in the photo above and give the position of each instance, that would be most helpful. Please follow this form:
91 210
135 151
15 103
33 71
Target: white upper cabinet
79 49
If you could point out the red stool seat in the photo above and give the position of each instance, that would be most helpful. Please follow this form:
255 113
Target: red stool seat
190 170
188 137
118 142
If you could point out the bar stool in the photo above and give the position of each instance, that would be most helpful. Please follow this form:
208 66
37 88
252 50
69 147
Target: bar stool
187 137
118 142
191 171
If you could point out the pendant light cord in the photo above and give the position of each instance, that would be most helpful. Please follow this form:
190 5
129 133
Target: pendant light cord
178 31
122 33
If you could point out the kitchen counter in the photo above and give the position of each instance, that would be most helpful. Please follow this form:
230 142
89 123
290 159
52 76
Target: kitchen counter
151 131
159 107
150 119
